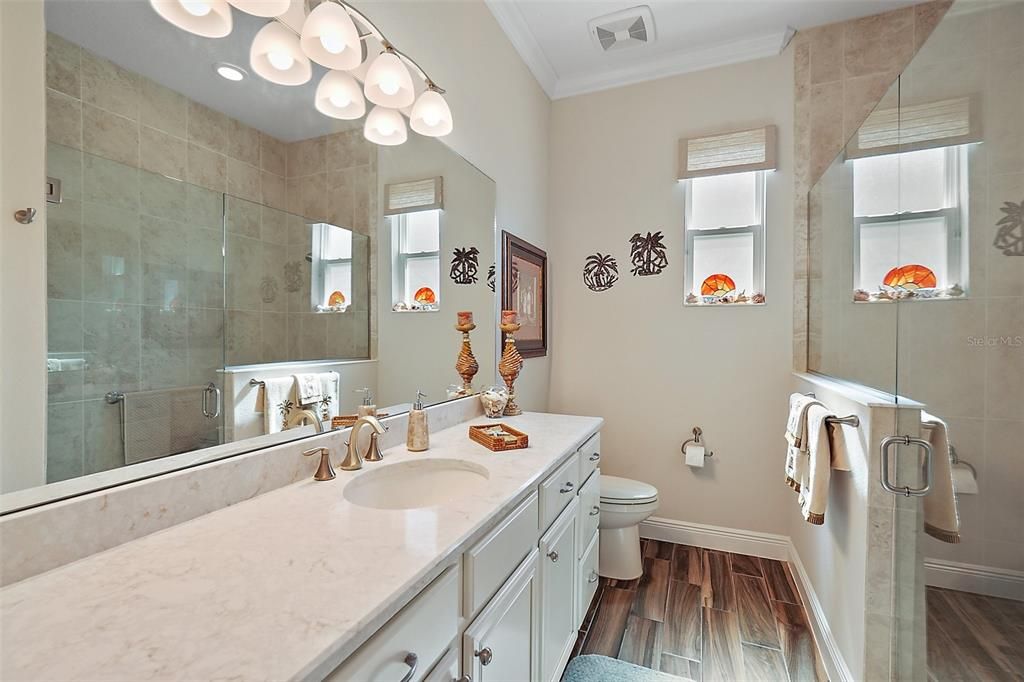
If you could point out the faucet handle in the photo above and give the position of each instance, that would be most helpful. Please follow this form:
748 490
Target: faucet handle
324 472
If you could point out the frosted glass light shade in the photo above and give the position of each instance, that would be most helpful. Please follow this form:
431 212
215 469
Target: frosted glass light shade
207 18
275 55
388 82
385 126
329 37
430 115
338 95
262 8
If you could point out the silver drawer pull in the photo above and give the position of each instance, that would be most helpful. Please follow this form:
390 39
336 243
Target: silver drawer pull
595 510
413 661
553 555
596 456
568 487
592 578
485 655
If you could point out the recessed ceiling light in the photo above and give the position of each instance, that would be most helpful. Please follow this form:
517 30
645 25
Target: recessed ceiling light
229 71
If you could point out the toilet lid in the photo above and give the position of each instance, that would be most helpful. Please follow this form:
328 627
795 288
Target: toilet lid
626 490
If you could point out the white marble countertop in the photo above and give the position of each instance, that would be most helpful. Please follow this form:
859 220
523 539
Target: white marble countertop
283 586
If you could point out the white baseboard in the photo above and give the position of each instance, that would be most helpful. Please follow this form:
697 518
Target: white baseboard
769 546
994 582
750 542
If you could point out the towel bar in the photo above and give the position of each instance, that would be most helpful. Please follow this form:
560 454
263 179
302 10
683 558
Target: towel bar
852 420
256 382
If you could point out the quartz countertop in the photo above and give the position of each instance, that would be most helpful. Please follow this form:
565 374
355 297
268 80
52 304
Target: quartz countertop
283 586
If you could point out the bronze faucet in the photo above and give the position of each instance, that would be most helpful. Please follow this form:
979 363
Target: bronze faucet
352 460
325 471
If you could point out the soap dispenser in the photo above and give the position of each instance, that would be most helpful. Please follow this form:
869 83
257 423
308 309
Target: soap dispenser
367 409
418 438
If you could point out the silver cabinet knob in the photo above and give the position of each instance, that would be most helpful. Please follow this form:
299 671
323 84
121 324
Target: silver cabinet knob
485 655
595 457
568 487
553 555
413 661
595 510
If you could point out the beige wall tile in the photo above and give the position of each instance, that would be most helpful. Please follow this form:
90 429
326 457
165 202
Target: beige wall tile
340 199
66 164
243 142
861 95
926 17
110 135
162 197
826 125
1004 359
826 45
163 153
243 180
349 148
243 218
1005 111
63 66
108 86
207 168
1005 274
273 225
273 155
207 128
63 119
163 108
878 43
306 157
272 188
110 182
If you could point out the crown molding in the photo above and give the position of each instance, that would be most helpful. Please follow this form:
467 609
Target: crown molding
513 23
677 63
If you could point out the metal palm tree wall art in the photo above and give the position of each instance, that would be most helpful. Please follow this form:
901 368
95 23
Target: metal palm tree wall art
648 254
490 276
601 272
465 265
1010 233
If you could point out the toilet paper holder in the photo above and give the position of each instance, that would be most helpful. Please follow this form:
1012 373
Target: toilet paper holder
696 440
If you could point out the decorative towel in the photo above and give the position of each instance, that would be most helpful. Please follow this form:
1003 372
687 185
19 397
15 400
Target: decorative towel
941 520
330 389
308 389
796 437
278 401
837 444
816 471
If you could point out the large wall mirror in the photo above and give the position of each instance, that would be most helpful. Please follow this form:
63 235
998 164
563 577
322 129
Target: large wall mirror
216 236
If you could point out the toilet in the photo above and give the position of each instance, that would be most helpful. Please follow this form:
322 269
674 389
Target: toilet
624 504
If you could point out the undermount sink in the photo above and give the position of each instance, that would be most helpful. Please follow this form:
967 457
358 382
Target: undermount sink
416 484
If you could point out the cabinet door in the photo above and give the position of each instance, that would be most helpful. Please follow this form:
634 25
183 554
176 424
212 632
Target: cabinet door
501 644
558 594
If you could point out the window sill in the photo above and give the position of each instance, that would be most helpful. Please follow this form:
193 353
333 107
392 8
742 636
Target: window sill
861 296
725 301
435 309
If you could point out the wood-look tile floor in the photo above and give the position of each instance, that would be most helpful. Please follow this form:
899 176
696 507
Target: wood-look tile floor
974 637
704 615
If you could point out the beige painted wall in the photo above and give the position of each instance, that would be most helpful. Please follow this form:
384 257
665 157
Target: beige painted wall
634 355
22 247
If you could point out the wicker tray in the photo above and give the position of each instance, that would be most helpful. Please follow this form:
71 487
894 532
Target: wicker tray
346 420
480 434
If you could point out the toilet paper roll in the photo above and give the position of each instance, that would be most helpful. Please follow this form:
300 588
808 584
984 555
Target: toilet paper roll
694 455
964 482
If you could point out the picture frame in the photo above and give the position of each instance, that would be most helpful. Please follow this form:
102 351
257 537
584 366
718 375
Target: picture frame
524 286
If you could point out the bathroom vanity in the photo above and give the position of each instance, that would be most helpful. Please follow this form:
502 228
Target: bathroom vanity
454 564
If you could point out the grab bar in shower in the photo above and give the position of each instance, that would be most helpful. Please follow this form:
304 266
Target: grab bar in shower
117 398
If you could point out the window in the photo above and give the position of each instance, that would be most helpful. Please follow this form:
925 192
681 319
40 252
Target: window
416 261
724 225
909 214
332 268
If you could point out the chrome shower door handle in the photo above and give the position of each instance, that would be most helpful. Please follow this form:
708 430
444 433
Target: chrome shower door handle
211 390
891 486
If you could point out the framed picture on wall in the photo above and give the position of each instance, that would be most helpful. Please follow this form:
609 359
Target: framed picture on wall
524 285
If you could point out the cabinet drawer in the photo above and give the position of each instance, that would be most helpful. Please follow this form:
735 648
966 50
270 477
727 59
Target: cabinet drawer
489 562
558 490
590 510
588 579
426 628
590 456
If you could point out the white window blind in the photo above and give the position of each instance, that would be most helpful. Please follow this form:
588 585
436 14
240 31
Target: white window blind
737 152
415 195
911 127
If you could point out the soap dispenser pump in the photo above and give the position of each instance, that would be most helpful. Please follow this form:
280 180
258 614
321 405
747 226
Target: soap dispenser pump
418 438
367 409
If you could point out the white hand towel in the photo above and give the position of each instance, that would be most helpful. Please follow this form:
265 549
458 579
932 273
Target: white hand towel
308 390
330 389
941 519
796 437
278 401
816 472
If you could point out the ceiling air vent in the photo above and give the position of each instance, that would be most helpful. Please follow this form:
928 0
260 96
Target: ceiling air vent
626 28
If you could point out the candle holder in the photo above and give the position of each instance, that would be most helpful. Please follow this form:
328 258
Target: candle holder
466 364
510 365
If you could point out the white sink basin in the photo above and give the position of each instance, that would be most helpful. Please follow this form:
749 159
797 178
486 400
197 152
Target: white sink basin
416 484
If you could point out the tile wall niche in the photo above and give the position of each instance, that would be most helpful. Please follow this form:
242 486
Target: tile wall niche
135 271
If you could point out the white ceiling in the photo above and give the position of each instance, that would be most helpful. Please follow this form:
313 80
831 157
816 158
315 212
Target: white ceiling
553 39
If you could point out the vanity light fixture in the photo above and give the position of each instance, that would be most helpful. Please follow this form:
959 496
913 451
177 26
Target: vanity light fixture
261 8
207 18
275 55
335 35
229 72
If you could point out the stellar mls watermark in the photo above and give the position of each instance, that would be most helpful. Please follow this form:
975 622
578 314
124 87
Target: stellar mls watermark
996 341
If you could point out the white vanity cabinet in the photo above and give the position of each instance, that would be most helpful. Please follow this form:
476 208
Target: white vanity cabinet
558 569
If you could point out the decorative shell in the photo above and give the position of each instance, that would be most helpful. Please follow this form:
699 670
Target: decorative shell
692 298
956 291
861 295
742 297
757 298
884 296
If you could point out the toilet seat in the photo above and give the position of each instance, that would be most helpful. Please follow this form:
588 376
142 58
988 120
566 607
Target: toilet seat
618 491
